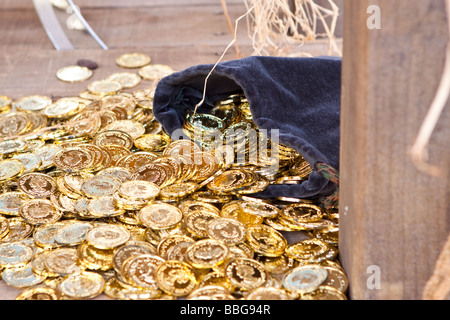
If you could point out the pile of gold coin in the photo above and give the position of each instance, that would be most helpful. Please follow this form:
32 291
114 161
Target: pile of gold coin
98 200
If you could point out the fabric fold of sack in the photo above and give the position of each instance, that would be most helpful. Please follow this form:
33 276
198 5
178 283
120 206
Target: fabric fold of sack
299 97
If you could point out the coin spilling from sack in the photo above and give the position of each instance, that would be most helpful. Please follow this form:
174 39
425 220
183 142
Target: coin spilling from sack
97 199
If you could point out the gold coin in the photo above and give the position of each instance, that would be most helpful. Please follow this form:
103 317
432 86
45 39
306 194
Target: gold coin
260 209
21 277
133 60
39 293
12 146
268 293
152 142
19 229
246 274
72 233
14 124
39 211
107 236
136 160
116 289
93 258
73 159
14 254
178 190
209 197
74 74
117 172
140 270
188 206
304 279
10 202
62 261
84 285
100 186
126 79
37 185
153 172
31 161
176 278
336 278
277 265
207 253
44 235
301 212
196 222
165 245
181 147
155 72
310 250
324 293
104 87
231 180
133 128
229 231
130 249
266 240
46 153
32 103
208 165
116 153
103 207
211 291
63 108
160 216
111 102
138 190
10 169
4 226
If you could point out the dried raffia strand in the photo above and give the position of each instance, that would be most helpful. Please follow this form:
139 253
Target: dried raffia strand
276 27
221 57
419 152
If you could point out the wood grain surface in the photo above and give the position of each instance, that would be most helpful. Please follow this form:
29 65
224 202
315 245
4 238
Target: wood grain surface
394 218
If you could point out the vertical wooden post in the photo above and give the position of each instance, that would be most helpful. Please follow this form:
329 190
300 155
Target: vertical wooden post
394 218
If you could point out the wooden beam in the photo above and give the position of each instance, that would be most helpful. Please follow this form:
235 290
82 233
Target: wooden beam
394 218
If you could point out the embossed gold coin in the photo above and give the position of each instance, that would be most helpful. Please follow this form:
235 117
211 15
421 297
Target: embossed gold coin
39 293
130 249
260 209
93 258
114 138
84 285
268 293
4 226
155 72
310 250
266 240
31 161
152 142
140 270
39 211
10 202
178 190
63 108
197 221
133 60
324 293
13 254
37 185
136 190
207 253
107 236
14 124
104 87
21 277
103 207
126 79
100 186
10 169
176 278
73 74
304 279
230 231
246 274
160 215
32 103
133 128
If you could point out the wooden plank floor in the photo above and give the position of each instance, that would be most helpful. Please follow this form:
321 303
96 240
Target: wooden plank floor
179 33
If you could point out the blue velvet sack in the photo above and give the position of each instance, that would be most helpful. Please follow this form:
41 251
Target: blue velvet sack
298 96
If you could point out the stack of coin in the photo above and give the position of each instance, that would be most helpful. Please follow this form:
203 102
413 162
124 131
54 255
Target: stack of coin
97 199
